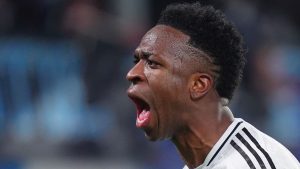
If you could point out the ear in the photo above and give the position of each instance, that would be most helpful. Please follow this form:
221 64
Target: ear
199 85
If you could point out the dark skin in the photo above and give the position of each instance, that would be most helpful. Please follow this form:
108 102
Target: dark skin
176 81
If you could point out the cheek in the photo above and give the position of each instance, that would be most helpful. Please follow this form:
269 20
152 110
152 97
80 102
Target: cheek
166 87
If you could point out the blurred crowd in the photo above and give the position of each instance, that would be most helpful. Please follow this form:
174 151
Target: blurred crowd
63 64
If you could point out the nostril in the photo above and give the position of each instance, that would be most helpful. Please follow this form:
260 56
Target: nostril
135 75
135 80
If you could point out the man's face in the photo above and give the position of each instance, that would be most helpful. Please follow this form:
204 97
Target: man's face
160 81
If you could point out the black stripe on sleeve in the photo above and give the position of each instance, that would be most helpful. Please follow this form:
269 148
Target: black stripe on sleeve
260 148
243 154
241 138
237 125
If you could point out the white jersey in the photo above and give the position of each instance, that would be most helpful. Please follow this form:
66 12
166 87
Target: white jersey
242 146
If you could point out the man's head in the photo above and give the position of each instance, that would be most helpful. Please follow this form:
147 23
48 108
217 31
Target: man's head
213 34
191 54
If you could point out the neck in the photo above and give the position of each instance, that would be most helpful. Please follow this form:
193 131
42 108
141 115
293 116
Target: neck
196 140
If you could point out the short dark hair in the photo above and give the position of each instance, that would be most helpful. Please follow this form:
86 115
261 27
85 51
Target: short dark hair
212 33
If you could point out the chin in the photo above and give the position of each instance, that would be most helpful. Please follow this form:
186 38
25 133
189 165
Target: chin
155 137
150 136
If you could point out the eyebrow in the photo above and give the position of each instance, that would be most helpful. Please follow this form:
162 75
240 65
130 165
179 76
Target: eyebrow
142 54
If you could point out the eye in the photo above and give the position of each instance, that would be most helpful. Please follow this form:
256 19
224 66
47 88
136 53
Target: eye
152 64
136 60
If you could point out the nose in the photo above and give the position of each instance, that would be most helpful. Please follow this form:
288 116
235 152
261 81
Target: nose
136 73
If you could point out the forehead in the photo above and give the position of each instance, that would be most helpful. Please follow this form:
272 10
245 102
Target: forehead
162 38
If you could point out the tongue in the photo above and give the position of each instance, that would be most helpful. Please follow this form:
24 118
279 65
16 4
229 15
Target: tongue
143 118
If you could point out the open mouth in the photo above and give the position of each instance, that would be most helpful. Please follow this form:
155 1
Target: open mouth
143 112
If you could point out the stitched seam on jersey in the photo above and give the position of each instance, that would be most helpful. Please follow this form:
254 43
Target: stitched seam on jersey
243 154
260 148
219 149
259 160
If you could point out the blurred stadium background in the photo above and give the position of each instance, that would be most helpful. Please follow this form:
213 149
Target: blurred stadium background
63 63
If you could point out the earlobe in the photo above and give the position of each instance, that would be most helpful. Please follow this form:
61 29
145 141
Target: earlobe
200 84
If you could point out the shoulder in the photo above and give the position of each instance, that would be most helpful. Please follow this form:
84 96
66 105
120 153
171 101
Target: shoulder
230 164
260 150
232 159
270 147
251 148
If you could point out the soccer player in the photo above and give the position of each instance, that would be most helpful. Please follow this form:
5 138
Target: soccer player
186 70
